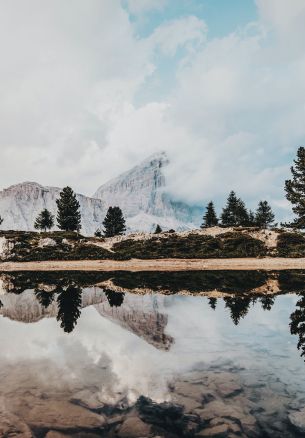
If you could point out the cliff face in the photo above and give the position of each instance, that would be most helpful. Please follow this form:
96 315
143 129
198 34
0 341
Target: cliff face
140 193
20 205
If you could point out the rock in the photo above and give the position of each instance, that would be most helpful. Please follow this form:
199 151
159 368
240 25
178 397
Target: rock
229 389
233 427
11 426
189 390
54 434
220 431
134 427
218 409
188 403
87 399
297 419
61 415
46 242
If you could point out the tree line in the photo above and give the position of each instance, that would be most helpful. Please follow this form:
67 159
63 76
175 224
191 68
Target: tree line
69 216
233 214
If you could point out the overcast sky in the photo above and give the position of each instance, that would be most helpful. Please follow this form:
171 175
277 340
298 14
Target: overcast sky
91 87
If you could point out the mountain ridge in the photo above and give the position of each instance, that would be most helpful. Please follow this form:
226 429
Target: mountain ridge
140 192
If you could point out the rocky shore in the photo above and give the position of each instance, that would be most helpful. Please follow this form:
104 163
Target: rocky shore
215 401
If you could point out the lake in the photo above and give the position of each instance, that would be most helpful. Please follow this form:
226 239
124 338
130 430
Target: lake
215 354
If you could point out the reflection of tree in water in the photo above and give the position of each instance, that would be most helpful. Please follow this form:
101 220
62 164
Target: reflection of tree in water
69 304
115 299
267 302
238 306
212 303
44 298
297 324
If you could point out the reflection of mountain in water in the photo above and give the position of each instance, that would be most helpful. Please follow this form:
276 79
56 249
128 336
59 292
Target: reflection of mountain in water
146 320
129 299
136 314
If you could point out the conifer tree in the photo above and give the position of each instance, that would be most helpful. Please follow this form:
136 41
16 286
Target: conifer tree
264 215
44 221
297 323
1 220
295 190
68 214
69 307
235 212
44 298
115 299
114 222
210 219
252 220
158 229
98 233
213 302
267 302
239 307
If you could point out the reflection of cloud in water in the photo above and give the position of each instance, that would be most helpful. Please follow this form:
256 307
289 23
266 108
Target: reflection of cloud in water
105 356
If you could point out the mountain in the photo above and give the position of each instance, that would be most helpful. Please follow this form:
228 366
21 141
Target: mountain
140 193
20 205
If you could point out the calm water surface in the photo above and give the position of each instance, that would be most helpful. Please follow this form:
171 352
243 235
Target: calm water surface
138 357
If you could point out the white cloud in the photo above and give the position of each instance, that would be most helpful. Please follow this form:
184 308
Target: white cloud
74 106
172 35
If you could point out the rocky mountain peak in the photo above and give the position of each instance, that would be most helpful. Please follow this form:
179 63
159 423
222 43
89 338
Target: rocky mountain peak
139 192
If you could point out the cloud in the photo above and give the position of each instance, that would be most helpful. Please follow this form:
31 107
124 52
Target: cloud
84 97
172 35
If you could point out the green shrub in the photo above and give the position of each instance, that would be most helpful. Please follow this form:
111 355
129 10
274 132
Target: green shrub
241 245
291 245
191 246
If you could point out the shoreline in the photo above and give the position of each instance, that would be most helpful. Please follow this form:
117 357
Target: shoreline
136 265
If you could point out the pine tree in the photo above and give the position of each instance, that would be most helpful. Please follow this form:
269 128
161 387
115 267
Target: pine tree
297 323
115 299
68 214
239 307
295 190
1 220
114 222
213 302
210 219
158 229
98 233
44 221
252 220
69 307
264 215
267 302
44 298
235 212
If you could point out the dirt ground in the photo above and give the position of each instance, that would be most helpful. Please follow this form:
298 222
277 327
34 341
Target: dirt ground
274 263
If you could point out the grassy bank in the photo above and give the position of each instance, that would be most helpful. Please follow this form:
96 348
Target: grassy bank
223 244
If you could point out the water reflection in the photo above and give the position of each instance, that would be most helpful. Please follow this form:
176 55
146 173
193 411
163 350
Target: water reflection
69 307
172 355
297 324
